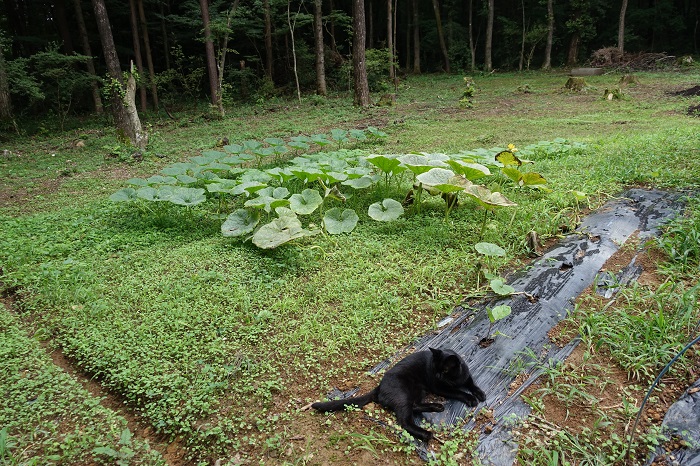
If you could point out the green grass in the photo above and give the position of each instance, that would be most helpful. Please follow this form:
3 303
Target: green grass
219 342
47 417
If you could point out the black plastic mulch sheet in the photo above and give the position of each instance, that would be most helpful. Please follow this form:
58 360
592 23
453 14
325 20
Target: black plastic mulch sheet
682 420
554 280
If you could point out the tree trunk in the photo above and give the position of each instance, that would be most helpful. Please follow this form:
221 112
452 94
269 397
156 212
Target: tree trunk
488 64
149 55
5 100
137 50
334 47
370 26
268 40
221 65
164 32
82 30
125 115
211 58
358 54
621 30
390 38
550 36
416 39
319 51
292 25
522 41
572 59
407 46
441 35
472 47
63 29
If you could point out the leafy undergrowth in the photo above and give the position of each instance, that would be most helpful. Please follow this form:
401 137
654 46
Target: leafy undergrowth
48 417
220 344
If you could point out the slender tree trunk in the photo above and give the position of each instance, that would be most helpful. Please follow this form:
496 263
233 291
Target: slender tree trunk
488 64
334 47
358 54
390 38
522 41
319 51
221 65
441 36
164 32
550 36
621 30
211 57
125 114
137 50
394 47
407 46
370 16
63 29
416 39
5 100
472 47
292 25
90 64
268 40
149 55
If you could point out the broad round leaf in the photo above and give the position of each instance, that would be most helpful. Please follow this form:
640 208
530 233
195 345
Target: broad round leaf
279 231
490 249
386 211
240 222
234 148
157 179
338 220
186 179
359 183
387 164
487 199
306 202
187 196
507 158
248 187
152 194
470 170
124 195
500 288
531 179
435 177
499 312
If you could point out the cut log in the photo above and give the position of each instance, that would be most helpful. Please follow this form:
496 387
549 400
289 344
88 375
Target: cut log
576 84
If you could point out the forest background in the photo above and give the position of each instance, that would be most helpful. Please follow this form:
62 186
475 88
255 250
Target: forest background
67 57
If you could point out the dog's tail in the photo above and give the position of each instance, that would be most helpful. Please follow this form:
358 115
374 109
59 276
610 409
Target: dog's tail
338 405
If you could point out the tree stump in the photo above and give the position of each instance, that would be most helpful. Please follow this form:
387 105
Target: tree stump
576 84
387 100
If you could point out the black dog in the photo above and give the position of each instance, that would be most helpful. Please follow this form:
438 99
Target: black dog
404 386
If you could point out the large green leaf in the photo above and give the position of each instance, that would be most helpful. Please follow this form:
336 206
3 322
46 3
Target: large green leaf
124 195
338 220
387 164
279 231
359 183
234 148
386 211
269 198
531 179
222 186
442 180
470 170
487 199
240 222
306 202
500 288
155 194
187 196
248 187
419 164
157 179
274 141
490 249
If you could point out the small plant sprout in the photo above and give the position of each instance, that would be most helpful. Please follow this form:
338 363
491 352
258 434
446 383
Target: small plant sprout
495 314
490 250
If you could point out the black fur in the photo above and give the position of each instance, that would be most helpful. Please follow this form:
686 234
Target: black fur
441 372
